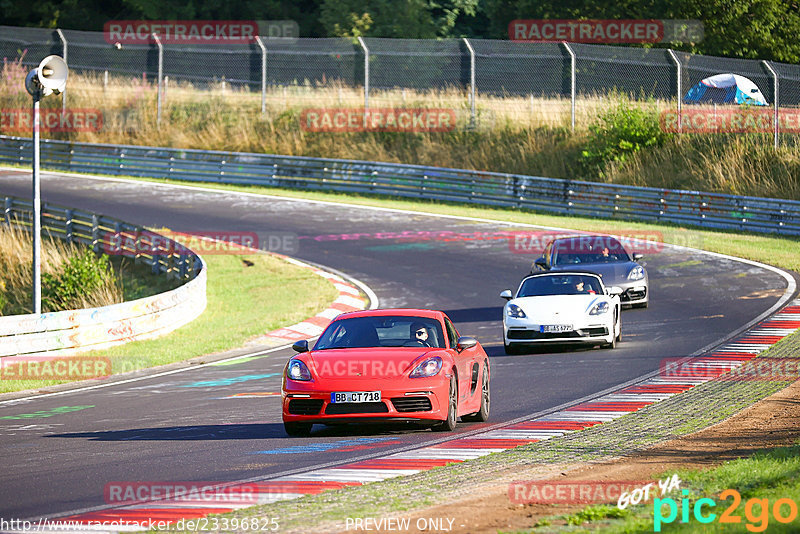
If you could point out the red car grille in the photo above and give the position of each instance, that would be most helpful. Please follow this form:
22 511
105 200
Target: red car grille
412 404
338 408
305 406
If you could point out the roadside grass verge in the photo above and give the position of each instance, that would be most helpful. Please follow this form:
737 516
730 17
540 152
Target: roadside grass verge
767 476
248 295
703 405
515 134
72 276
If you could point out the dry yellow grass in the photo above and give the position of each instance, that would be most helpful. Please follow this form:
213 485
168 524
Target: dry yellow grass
16 273
526 135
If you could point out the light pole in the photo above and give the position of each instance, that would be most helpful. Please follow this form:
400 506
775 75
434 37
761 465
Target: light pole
50 77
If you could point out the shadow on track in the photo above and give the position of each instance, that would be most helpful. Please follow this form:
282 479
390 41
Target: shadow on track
185 433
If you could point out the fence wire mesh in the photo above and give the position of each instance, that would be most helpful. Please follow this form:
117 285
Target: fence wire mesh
533 80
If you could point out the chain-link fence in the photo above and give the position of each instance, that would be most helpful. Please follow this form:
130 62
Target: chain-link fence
560 83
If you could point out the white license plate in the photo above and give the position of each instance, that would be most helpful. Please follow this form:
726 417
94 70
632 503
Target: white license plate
554 328
356 396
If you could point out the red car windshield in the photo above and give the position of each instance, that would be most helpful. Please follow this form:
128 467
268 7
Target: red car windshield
382 331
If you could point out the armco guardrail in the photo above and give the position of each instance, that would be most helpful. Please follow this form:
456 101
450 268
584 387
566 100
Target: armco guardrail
568 197
73 331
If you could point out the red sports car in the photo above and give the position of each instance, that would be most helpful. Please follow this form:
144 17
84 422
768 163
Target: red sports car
386 365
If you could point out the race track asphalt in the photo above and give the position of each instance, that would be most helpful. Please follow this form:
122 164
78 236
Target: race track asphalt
170 428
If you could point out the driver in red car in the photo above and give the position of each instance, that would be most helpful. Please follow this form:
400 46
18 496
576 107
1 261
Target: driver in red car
420 334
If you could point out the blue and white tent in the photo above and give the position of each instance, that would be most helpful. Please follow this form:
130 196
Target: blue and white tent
725 89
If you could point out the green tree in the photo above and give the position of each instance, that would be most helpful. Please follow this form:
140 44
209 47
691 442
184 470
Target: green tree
401 19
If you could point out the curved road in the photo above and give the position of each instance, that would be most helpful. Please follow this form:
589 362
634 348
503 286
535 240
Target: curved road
170 428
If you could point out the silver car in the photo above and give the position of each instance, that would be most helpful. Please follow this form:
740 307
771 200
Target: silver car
603 255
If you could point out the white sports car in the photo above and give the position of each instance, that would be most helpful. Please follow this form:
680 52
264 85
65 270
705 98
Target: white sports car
561 307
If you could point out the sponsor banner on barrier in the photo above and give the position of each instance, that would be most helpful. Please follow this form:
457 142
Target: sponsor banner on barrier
132 492
720 368
54 367
578 492
203 243
605 31
378 120
729 120
20 120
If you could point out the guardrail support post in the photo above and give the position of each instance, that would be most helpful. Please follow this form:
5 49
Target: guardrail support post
572 82
680 80
68 227
366 72
95 233
64 57
263 74
160 76
471 81
776 94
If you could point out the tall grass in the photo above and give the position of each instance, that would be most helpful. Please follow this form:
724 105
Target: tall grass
526 135
66 273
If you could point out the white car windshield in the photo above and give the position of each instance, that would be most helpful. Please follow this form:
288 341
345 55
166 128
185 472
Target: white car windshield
382 331
573 284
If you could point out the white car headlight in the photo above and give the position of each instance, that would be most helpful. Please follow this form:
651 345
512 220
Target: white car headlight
297 370
427 367
599 308
515 311
637 273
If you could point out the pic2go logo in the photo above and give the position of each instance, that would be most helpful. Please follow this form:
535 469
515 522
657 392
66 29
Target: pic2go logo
756 511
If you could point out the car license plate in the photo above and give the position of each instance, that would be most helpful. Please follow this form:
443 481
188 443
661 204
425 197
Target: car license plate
554 328
356 396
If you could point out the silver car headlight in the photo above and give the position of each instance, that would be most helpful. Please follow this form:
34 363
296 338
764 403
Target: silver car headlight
599 308
637 273
512 310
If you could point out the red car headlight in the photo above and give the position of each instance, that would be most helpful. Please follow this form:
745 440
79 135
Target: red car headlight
427 367
297 370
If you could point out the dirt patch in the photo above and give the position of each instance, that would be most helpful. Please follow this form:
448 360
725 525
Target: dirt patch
772 422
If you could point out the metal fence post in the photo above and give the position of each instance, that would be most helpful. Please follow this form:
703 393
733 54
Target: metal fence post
95 233
776 94
471 81
64 57
263 74
572 82
68 226
680 80
160 76
366 72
